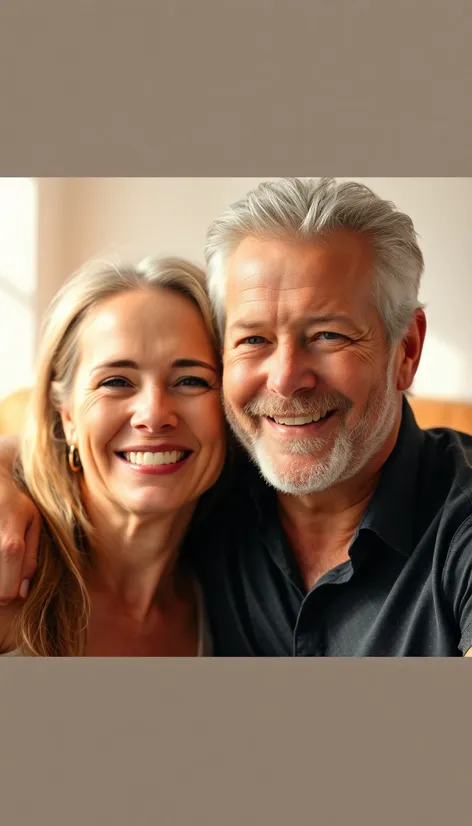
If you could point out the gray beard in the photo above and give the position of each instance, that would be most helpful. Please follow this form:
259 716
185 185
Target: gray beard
352 450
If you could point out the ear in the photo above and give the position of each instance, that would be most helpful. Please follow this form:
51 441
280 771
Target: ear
68 425
410 350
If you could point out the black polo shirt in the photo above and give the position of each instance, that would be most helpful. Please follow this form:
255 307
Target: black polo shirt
405 591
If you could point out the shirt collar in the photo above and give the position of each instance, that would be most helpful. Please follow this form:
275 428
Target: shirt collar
391 511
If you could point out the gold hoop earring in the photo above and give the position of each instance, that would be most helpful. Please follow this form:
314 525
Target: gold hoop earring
74 459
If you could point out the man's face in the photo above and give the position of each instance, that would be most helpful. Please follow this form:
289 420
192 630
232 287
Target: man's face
310 381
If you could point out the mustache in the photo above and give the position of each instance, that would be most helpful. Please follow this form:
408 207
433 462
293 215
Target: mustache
305 404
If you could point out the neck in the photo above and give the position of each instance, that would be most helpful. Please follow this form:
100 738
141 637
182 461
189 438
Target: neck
320 526
134 559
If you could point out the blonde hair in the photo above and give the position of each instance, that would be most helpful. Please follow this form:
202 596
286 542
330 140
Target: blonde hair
53 620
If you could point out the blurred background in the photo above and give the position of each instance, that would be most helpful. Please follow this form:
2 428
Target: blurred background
51 226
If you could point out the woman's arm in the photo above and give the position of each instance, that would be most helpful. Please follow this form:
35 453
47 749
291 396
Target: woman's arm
19 529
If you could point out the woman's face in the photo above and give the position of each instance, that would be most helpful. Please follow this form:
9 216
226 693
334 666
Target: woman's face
145 411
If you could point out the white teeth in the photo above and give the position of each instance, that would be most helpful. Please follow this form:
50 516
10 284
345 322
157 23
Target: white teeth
294 420
148 458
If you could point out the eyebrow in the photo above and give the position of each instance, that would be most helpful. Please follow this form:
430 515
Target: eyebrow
326 319
176 363
193 363
318 319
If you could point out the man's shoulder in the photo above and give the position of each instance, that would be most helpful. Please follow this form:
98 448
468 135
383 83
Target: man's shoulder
446 498
444 438
447 460
444 494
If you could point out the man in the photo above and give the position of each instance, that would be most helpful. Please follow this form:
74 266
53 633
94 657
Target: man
348 532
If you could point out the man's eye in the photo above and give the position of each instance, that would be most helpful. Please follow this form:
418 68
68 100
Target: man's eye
115 381
254 340
328 336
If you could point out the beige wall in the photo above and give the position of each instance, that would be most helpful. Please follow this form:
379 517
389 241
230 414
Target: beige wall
142 216
52 220
18 281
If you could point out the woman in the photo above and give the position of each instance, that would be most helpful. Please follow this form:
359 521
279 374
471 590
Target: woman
125 434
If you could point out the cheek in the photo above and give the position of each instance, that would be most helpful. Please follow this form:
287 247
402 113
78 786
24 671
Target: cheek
215 425
353 377
210 427
242 379
100 421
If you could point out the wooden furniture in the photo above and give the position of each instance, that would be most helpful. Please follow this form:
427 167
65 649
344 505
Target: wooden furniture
440 413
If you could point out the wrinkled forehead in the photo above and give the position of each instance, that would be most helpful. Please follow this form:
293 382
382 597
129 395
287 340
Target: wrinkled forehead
269 274
145 325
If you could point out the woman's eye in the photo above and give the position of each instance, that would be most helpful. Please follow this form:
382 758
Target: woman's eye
115 381
192 381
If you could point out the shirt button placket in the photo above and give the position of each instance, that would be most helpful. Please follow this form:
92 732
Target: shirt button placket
307 639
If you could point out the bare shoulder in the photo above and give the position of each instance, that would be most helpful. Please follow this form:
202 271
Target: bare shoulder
8 613
468 653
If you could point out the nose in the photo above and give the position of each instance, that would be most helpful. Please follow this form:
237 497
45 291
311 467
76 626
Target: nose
154 411
290 370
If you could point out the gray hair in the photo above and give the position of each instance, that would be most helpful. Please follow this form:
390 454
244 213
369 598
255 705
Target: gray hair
307 209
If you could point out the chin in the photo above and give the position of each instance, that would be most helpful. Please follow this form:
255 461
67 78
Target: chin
148 506
302 474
